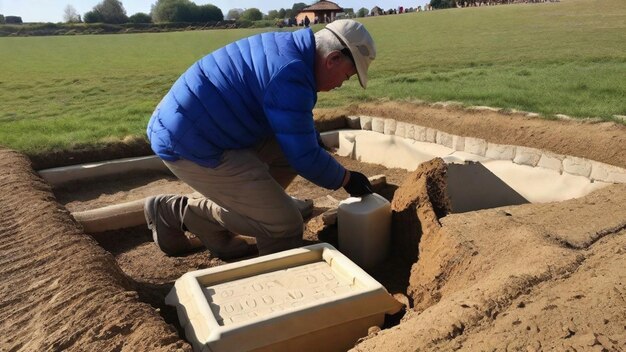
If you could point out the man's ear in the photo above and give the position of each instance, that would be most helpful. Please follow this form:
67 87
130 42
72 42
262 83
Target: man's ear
333 58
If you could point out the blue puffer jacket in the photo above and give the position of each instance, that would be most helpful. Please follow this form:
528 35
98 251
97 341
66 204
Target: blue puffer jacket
233 98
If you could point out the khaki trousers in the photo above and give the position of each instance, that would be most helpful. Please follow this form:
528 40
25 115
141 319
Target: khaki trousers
244 195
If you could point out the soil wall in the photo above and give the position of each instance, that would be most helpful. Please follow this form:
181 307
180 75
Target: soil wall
60 290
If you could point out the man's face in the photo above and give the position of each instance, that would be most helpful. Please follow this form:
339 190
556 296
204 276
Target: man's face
333 70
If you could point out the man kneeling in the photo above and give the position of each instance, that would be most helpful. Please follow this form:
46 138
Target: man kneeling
237 127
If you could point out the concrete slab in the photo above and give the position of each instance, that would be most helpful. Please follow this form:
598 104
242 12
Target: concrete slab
306 299
66 174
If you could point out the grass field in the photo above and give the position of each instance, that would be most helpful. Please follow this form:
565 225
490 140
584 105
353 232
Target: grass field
569 57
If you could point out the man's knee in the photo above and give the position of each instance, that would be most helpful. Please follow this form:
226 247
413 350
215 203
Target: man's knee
289 225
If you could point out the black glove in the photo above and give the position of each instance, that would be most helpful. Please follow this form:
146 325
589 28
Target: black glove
358 185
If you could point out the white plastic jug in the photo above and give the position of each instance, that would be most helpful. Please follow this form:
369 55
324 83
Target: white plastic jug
364 226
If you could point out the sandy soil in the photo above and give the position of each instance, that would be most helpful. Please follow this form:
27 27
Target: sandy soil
530 277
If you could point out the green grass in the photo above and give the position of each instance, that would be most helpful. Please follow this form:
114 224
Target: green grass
69 91
551 58
66 92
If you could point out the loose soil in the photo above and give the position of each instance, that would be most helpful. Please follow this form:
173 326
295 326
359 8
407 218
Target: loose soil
530 277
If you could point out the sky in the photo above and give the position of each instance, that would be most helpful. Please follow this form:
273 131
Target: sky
52 10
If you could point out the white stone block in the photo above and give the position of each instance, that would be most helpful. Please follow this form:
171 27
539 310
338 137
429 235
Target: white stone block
401 128
67 174
253 304
353 122
331 138
563 117
527 156
500 151
577 166
551 161
410 131
458 143
431 135
607 173
484 108
476 146
378 124
448 104
617 175
444 139
420 133
346 144
390 126
366 122
599 171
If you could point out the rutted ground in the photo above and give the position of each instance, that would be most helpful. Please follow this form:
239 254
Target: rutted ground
542 277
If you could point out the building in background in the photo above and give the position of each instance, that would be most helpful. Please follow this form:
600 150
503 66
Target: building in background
322 11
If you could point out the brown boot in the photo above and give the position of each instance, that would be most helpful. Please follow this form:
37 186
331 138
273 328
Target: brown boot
226 246
163 216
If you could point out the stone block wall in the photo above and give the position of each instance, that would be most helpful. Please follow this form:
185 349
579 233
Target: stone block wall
593 170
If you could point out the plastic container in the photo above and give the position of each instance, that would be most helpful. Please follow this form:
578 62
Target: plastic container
364 226
309 299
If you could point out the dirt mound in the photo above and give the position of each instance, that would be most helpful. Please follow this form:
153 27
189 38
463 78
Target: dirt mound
60 290
530 277
417 205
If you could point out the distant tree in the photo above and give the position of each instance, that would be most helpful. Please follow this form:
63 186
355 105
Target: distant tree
92 17
376 11
234 14
1 19
169 10
108 11
289 13
297 7
140 17
272 14
281 13
112 11
252 14
70 15
13 20
349 12
362 12
441 4
206 13
184 11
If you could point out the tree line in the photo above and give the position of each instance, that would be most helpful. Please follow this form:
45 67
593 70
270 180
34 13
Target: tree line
113 12
177 11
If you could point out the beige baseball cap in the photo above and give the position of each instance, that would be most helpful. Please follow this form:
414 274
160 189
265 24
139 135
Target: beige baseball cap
357 39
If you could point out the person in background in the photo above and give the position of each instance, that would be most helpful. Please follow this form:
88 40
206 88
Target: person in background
237 127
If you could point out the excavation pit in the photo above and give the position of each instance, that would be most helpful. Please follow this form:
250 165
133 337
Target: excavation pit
468 270
473 182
